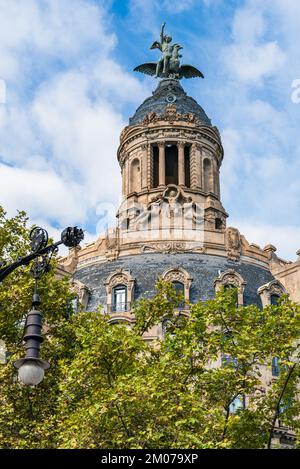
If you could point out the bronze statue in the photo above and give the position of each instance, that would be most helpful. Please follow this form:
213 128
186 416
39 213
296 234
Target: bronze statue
168 66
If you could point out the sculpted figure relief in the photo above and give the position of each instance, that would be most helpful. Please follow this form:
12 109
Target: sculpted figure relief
172 204
233 243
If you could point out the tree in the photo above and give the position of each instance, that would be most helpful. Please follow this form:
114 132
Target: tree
109 388
121 392
26 413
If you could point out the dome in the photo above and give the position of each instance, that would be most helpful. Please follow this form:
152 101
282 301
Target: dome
169 91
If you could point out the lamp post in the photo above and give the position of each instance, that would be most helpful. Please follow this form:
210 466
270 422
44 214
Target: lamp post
31 369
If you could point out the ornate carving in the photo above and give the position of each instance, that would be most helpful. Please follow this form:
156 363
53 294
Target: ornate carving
171 247
149 118
172 203
233 243
112 244
168 247
120 277
170 115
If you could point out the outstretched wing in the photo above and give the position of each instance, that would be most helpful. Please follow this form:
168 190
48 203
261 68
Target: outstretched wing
156 45
148 68
188 71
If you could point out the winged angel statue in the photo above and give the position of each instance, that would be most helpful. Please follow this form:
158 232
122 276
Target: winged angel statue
168 65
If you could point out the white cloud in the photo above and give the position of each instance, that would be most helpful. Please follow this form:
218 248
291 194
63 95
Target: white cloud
285 237
250 57
42 194
260 135
59 130
2 92
50 29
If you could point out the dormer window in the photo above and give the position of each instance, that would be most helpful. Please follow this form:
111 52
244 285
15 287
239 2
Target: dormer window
271 292
181 281
231 279
119 291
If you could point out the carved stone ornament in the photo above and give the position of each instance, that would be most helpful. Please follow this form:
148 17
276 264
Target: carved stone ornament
111 239
170 115
233 243
177 274
120 277
171 247
168 247
112 244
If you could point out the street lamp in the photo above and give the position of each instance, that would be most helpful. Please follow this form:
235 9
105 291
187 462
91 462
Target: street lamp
31 369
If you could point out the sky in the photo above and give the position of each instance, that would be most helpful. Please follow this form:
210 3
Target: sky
67 88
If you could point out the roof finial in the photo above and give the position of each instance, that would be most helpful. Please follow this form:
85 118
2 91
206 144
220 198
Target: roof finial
168 66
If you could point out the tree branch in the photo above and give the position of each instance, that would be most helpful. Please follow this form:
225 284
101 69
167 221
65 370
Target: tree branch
277 408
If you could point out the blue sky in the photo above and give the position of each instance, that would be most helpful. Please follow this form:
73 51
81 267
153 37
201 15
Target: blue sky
67 88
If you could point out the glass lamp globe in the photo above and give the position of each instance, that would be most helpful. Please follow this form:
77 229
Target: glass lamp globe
31 373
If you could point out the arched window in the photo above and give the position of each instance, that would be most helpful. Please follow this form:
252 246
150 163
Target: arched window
271 292
230 286
171 155
120 291
179 288
119 299
187 169
229 279
274 299
208 176
135 176
180 279
155 163
218 224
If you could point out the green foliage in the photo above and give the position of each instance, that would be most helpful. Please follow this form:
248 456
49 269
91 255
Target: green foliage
109 388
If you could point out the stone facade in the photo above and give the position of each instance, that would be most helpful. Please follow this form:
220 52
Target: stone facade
172 217
171 224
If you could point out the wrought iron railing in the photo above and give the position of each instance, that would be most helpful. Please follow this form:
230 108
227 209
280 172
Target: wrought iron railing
118 308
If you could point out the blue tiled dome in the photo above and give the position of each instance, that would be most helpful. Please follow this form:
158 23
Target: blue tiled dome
202 268
169 92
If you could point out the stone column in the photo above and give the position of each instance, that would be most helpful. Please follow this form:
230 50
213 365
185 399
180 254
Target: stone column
181 171
162 164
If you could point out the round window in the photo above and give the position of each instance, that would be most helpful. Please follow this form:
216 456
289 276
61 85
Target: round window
171 98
